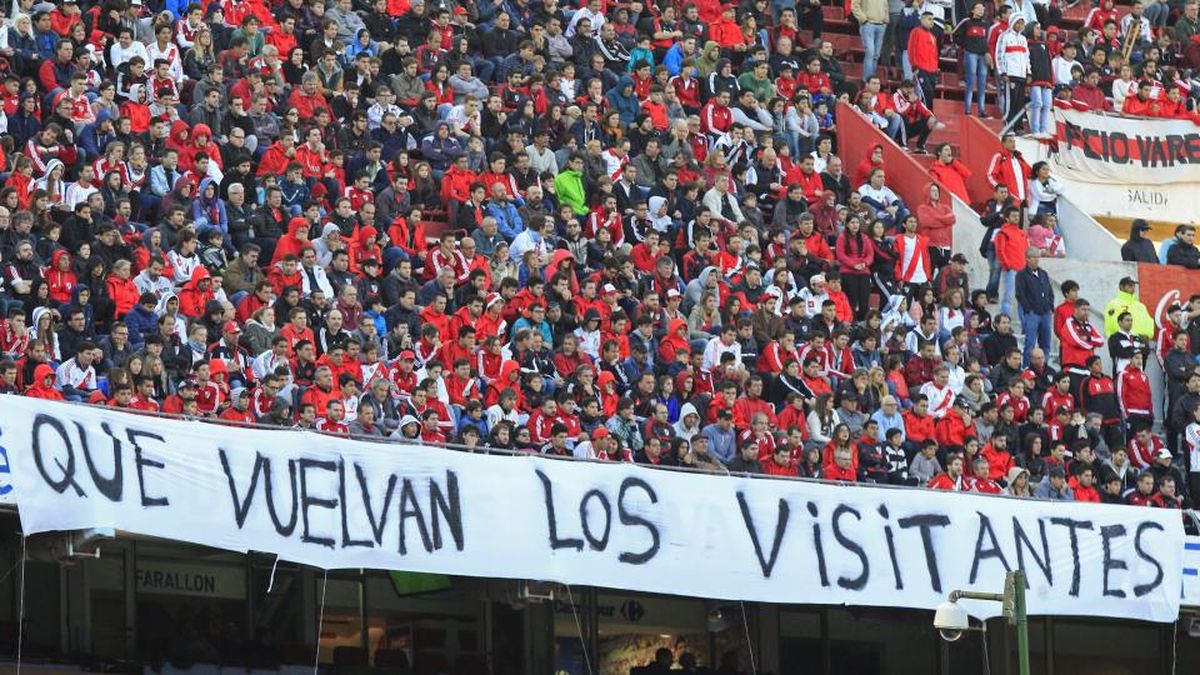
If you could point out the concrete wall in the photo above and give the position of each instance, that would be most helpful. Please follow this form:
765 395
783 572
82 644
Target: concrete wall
968 235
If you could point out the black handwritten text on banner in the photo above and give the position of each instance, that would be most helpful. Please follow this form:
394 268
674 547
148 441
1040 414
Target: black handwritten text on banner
1096 148
337 503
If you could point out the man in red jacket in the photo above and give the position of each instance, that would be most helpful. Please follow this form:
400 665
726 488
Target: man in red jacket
981 482
842 468
997 456
808 180
953 478
715 116
1090 94
1079 342
1141 103
323 391
923 55
1143 494
1008 168
1084 487
751 403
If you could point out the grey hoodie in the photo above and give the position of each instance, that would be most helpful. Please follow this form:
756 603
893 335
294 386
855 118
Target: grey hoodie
681 429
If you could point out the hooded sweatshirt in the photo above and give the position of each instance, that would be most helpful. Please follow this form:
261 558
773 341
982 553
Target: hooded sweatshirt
952 177
192 299
623 100
290 243
1138 248
43 384
936 220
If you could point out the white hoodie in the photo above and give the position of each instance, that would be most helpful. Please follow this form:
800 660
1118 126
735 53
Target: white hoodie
1012 51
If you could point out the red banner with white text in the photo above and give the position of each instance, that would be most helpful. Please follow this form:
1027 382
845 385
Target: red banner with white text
1162 285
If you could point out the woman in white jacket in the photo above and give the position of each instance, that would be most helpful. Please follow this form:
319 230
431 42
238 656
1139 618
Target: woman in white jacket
1012 66
1044 190
821 422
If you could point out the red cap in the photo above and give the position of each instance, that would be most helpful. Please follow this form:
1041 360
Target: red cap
231 327
461 11
599 433
407 355
673 293
609 288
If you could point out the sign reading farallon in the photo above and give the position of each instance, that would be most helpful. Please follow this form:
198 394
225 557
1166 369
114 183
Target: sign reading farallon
1108 149
171 578
338 503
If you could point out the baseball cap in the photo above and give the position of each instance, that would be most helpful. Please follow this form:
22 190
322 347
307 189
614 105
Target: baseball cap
187 384
958 258
407 355
599 433
609 288
673 293
231 327
1127 281
1164 453
461 11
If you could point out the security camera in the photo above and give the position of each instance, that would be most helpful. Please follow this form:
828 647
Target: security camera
951 621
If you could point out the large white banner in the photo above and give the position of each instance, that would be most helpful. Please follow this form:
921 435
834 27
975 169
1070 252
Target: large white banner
1098 148
337 503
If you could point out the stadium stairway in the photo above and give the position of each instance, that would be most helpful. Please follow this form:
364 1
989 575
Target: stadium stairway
843 34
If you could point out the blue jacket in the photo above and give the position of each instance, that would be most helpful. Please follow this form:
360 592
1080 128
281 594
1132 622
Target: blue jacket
206 213
721 444
440 152
508 221
294 194
92 141
141 322
23 127
543 328
673 60
1034 293
626 104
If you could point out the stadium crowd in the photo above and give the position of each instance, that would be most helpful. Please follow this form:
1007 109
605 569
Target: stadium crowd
619 231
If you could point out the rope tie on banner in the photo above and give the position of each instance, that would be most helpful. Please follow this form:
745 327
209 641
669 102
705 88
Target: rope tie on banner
271 581
21 606
579 630
321 623
749 644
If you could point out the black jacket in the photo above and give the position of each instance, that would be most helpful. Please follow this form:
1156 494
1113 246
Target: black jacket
1139 248
1184 254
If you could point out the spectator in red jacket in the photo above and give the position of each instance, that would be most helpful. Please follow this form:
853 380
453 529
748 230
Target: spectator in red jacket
1090 94
923 56
1008 168
936 219
855 254
950 173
